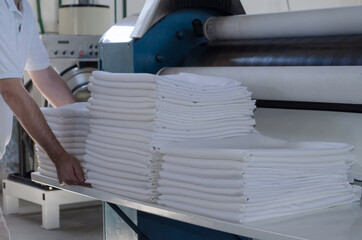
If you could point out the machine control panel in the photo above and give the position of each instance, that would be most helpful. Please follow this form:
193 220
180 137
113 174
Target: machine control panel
71 46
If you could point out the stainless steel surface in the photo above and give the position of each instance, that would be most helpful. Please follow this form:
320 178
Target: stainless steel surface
338 223
77 80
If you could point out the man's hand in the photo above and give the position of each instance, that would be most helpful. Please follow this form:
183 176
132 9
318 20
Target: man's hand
69 170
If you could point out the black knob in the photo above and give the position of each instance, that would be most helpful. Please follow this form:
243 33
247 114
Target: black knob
72 53
90 53
64 52
56 53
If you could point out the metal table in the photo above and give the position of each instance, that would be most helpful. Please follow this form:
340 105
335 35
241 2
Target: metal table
339 223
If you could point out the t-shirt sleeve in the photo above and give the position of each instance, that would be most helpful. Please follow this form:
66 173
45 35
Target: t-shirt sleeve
38 58
9 57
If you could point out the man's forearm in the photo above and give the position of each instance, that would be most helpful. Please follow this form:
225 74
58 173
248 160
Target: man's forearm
30 116
52 86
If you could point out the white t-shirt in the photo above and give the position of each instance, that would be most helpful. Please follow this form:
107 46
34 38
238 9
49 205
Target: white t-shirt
20 48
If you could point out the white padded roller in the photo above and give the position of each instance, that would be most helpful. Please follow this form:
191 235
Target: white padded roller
329 84
308 23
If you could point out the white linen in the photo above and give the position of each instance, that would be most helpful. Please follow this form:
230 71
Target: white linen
121 104
122 92
129 77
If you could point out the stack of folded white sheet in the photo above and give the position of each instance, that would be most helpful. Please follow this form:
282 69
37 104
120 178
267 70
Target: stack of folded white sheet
119 155
70 125
253 177
134 114
191 106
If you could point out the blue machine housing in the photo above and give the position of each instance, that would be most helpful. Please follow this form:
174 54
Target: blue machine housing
166 44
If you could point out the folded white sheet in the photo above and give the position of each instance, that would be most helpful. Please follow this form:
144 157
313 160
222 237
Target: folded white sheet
115 143
137 135
77 152
103 122
119 167
278 212
123 117
47 173
125 100
72 139
107 146
122 110
240 148
128 77
71 110
68 127
120 159
164 190
116 173
121 104
122 92
70 133
120 181
201 132
123 84
68 120
204 125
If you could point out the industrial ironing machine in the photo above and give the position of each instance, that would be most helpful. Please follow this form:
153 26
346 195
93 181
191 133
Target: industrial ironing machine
303 68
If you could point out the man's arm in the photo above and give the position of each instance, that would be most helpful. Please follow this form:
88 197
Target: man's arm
29 115
52 87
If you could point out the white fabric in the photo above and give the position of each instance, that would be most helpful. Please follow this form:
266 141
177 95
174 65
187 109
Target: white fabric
116 173
123 84
123 117
121 92
74 110
120 181
47 173
123 133
116 142
122 110
119 159
107 146
70 133
128 77
137 100
121 104
240 148
103 122
204 125
6 125
356 172
67 127
67 120
119 167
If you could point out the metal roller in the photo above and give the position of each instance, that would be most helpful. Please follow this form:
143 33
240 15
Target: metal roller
321 22
340 85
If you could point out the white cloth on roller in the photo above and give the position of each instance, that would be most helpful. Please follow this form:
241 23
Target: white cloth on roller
67 127
67 120
122 92
71 110
122 175
107 146
130 100
123 84
119 167
163 190
207 173
123 133
121 124
120 181
242 147
120 187
118 104
131 195
117 142
123 117
226 191
128 77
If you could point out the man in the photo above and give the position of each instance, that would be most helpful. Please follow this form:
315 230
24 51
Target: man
21 48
